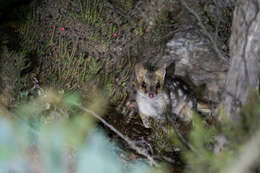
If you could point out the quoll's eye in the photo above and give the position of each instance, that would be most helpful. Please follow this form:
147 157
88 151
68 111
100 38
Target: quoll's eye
143 85
158 85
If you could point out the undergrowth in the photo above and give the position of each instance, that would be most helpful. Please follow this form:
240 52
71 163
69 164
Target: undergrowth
52 125
226 146
66 142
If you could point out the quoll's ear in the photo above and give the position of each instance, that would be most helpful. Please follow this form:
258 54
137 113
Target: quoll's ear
139 71
161 71
170 70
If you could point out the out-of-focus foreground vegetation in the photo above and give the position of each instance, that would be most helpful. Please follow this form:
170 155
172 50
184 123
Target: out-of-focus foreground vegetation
50 133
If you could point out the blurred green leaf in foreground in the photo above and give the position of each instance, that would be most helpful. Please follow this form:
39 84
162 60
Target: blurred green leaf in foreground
65 144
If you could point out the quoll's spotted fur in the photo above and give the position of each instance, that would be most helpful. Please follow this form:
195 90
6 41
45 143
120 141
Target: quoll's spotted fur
183 103
158 94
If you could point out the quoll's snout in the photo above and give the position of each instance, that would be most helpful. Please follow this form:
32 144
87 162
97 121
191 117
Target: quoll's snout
151 92
151 95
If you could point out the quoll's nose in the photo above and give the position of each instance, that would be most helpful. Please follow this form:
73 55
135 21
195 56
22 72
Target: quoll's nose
151 95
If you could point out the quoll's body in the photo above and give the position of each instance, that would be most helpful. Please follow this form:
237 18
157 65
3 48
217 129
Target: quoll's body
158 94
183 103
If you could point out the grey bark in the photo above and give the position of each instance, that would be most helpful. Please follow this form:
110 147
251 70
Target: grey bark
243 74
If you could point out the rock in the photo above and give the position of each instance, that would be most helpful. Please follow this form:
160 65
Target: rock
196 61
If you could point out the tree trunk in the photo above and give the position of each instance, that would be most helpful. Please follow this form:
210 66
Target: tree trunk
243 74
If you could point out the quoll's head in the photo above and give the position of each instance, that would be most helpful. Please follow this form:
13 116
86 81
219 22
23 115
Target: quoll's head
150 82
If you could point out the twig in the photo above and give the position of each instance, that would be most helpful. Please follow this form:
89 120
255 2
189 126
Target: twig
220 55
165 158
218 20
140 151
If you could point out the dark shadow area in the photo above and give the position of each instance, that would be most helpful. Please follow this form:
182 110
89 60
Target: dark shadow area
7 7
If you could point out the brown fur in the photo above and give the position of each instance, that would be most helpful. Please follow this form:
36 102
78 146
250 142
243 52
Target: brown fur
150 81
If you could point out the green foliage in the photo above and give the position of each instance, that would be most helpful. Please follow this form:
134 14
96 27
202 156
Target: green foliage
11 80
60 65
201 137
29 30
108 31
71 70
92 13
125 4
69 67
51 142
242 141
199 128
97 146
139 31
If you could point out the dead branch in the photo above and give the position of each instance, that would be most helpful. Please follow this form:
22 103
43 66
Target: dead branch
167 159
139 150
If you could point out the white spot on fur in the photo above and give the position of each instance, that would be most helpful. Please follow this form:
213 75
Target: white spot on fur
180 92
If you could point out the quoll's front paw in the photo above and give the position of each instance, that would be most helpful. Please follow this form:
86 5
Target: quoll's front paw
131 105
129 110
